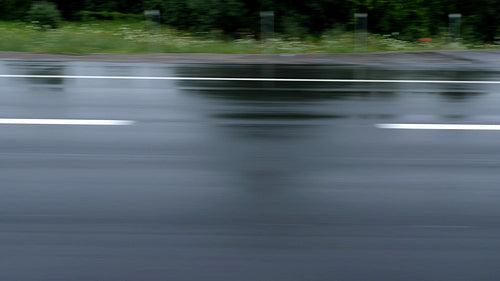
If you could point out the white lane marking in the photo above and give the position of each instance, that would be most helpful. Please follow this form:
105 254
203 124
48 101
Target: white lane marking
250 79
15 121
439 127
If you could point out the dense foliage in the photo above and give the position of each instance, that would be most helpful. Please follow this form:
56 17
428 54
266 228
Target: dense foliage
410 18
44 14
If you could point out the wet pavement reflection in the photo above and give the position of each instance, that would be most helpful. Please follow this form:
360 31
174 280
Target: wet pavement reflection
225 180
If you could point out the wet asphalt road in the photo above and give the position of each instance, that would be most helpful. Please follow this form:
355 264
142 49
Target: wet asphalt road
221 180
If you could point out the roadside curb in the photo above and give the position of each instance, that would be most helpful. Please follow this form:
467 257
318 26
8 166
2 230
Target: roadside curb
415 59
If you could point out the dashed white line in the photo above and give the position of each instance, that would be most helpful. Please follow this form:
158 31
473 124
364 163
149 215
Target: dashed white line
87 122
242 79
439 127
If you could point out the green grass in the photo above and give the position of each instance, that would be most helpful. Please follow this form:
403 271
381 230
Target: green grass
123 37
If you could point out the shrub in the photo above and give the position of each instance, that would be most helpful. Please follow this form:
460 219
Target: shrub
44 14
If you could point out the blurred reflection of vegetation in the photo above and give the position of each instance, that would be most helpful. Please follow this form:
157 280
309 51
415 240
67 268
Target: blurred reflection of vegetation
42 68
276 116
268 92
460 96
268 95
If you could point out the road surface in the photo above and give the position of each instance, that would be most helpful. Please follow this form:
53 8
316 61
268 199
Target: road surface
248 180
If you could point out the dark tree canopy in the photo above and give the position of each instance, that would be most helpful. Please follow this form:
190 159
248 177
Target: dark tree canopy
411 18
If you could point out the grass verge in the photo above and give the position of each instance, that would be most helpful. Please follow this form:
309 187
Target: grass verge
134 37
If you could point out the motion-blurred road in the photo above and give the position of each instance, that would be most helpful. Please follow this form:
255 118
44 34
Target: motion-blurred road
248 180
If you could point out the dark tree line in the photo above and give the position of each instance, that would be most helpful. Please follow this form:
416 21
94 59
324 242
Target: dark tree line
411 18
